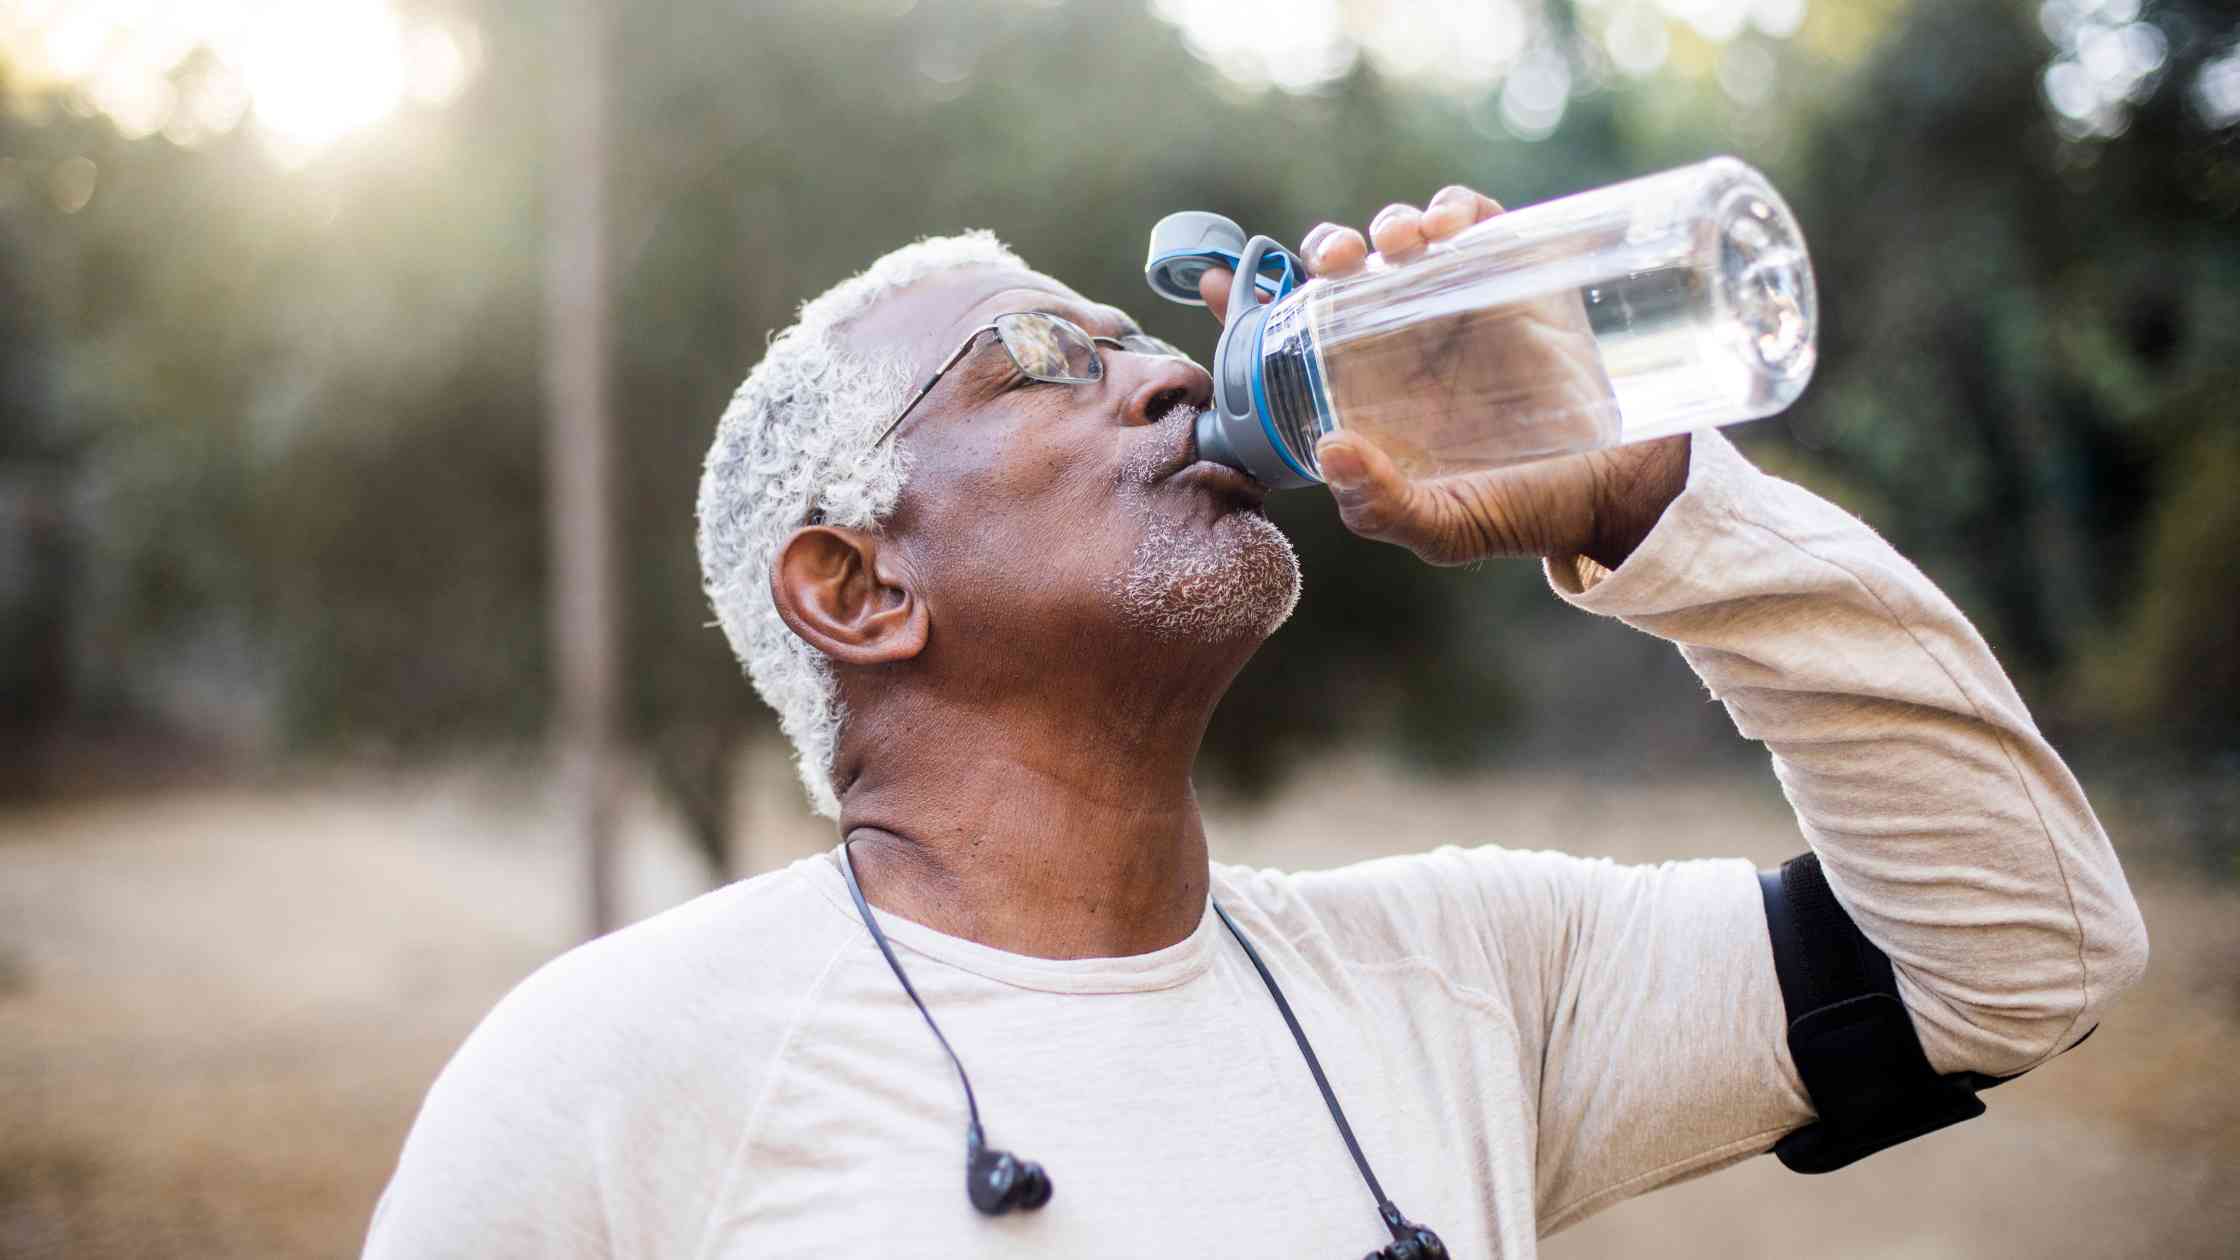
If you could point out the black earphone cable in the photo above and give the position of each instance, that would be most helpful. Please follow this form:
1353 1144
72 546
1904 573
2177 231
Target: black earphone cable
1393 1220
1410 1240
972 1105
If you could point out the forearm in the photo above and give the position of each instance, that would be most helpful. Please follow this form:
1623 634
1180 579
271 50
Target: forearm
1947 825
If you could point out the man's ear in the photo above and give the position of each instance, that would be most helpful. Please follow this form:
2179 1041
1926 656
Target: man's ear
848 595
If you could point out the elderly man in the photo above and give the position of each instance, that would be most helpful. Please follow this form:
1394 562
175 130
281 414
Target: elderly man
995 631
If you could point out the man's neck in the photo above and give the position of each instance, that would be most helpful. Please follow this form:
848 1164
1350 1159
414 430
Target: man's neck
1058 831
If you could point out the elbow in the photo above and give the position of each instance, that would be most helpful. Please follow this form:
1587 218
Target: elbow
2114 932
2109 933
2122 948
2048 998
2111 958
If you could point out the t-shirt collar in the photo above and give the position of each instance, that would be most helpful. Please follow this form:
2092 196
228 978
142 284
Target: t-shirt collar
1135 973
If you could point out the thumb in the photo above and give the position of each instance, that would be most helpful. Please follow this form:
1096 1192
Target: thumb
1213 286
1375 499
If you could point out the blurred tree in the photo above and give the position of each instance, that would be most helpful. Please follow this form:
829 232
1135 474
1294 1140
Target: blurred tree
34 561
294 409
2026 336
581 616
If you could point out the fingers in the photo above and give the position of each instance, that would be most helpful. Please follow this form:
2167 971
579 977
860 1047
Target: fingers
1328 250
1455 208
1399 230
1311 245
1333 250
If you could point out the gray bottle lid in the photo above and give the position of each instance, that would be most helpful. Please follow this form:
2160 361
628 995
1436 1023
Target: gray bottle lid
1183 246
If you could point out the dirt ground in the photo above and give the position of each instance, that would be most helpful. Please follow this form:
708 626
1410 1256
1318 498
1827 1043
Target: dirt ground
219 1009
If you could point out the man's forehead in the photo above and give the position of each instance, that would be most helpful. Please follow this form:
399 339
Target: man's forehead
928 318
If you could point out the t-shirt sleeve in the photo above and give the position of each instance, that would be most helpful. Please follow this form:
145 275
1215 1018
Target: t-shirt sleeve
1661 1029
597 1110
500 1161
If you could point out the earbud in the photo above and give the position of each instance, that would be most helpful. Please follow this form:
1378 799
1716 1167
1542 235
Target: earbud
998 1181
1419 1244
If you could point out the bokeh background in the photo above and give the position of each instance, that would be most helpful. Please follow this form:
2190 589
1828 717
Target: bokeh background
357 358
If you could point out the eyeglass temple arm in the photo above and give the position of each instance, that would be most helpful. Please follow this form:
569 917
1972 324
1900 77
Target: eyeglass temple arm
931 381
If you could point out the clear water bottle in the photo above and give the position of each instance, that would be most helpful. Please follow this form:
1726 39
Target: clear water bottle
1631 312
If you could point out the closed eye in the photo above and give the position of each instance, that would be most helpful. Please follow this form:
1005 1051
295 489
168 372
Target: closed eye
1144 343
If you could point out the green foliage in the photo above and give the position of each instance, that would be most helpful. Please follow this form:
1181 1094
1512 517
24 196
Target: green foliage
2025 341
298 412
2168 665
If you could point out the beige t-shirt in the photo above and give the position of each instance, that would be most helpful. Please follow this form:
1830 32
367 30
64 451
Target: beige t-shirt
1520 1038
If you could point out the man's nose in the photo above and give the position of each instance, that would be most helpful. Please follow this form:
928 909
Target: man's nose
1163 383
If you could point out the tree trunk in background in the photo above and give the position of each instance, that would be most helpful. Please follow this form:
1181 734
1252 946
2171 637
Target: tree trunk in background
578 455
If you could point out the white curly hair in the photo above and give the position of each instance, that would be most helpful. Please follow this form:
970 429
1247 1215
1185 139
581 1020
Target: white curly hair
800 439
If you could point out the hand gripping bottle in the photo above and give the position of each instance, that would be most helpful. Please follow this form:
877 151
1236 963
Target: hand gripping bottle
1647 308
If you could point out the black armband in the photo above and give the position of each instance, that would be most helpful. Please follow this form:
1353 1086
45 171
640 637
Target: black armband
1853 1042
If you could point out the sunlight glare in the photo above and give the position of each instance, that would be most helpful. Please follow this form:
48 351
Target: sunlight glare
309 72
320 72
1516 52
2107 59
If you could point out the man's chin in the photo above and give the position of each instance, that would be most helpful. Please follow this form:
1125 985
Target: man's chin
1232 579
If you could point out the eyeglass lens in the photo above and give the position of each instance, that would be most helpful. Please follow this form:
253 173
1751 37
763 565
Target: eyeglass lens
1050 349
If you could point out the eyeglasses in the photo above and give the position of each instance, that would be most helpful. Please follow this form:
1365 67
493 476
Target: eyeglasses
1045 348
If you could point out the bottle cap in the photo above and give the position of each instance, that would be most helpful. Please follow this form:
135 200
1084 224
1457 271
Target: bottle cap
1184 245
